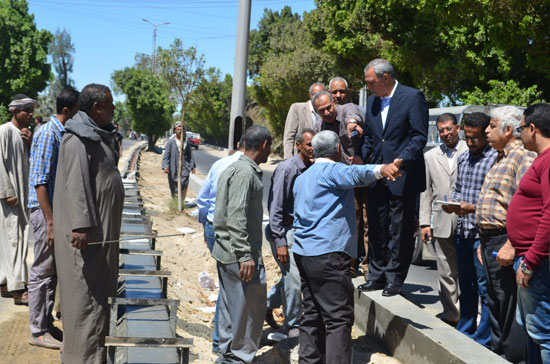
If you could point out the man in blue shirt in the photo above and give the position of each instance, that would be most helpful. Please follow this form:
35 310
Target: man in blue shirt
325 243
43 166
206 203
279 233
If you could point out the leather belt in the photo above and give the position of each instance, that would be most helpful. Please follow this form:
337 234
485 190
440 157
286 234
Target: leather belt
492 232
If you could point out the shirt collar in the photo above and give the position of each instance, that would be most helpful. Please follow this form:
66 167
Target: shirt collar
514 144
299 162
392 92
324 160
252 163
57 123
446 149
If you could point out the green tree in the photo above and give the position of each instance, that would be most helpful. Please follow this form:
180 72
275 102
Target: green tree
122 118
23 53
209 107
148 101
503 93
443 47
61 49
283 63
183 69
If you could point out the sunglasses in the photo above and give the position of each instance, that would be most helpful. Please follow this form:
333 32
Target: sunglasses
521 127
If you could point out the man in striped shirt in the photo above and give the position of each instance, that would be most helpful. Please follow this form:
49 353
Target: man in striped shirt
43 277
472 166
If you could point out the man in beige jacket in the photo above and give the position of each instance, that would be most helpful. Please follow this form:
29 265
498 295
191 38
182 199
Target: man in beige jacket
440 177
300 116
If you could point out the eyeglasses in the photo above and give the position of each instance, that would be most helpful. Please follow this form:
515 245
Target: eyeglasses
473 140
334 92
521 127
449 129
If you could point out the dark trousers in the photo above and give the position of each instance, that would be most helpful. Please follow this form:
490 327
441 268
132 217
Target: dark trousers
327 302
390 250
508 338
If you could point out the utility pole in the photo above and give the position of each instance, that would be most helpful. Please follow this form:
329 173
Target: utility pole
238 96
154 59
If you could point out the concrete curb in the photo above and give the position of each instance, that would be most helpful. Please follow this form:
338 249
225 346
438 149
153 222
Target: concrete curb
413 335
410 334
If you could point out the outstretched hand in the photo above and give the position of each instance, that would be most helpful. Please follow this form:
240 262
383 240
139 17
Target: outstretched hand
391 170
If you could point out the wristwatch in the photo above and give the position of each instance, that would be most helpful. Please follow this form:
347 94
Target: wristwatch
524 268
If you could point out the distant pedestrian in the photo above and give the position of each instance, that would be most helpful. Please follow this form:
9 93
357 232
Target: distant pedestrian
170 163
280 234
43 276
441 170
15 141
325 243
472 166
238 250
529 233
87 207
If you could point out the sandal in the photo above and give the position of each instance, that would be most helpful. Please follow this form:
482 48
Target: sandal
4 291
21 297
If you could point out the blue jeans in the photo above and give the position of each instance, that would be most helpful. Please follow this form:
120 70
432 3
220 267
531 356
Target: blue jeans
286 291
210 240
533 313
473 287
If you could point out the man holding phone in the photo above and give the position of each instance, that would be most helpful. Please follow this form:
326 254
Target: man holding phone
441 166
472 166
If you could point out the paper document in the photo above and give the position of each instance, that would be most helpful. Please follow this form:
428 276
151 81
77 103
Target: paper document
452 203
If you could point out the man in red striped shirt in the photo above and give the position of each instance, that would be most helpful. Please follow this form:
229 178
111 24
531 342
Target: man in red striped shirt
528 227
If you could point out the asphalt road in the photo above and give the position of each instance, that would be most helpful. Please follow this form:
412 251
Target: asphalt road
205 157
421 284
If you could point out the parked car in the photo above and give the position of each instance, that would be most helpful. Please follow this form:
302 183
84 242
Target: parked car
194 139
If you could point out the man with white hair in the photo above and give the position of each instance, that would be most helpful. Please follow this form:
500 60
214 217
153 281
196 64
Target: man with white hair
500 184
325 242
15 140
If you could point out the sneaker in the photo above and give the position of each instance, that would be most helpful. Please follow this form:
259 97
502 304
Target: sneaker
276 336
21 298
45 341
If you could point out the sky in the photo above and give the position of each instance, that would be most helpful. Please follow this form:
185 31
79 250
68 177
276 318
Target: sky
107 34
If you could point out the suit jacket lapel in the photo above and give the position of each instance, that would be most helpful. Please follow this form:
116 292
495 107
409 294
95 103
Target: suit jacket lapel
393 105
307 115
376 104
442 160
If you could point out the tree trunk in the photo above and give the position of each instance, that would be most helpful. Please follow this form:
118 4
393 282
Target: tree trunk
151 143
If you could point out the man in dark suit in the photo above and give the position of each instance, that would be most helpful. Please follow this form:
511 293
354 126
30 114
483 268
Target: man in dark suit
396 127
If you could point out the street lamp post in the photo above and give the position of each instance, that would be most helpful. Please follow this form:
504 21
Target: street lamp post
238 97
154 59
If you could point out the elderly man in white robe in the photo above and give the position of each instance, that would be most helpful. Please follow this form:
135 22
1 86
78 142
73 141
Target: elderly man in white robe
15 140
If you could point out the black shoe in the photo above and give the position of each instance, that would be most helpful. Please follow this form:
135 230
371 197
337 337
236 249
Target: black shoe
370 286
271 320
391 289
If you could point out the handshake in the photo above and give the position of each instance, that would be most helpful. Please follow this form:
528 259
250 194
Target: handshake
391 171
